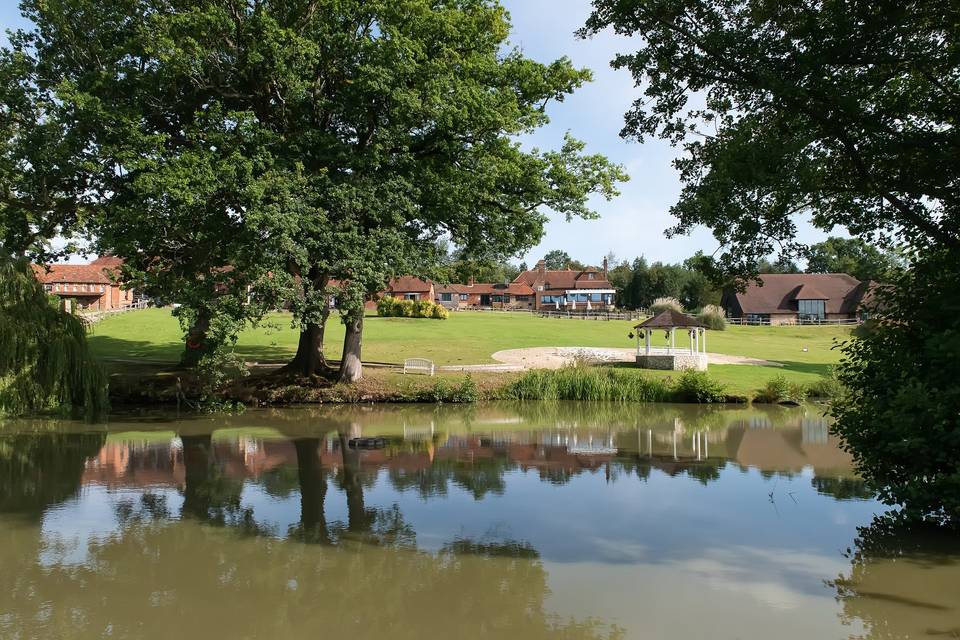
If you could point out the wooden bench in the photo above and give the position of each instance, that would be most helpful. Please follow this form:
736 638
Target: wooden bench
418 365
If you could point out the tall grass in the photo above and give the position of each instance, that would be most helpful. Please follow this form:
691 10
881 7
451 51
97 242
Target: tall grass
585 383
713 317
662 304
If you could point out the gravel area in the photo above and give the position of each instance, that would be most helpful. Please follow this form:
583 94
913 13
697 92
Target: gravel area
556 357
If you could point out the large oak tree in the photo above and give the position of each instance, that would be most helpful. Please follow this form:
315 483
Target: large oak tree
328 140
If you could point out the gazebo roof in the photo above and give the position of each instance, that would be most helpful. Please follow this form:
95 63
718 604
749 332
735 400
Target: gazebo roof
670 319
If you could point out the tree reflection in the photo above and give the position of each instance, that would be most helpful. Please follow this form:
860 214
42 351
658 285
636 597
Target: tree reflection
209 494
903 581
38 470
313 492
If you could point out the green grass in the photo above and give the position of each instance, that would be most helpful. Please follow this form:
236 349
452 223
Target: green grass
471 338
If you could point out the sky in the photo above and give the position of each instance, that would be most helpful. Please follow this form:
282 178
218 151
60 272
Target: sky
632 224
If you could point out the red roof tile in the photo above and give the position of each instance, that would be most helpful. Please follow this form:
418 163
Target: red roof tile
566 279
409 284
780 292
513 289
72 273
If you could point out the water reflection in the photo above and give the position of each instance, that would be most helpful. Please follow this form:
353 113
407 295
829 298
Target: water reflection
572 521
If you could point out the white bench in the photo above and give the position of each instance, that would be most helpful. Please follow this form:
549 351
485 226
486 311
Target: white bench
418 365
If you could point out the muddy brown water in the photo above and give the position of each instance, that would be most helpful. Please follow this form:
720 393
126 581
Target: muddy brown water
503 521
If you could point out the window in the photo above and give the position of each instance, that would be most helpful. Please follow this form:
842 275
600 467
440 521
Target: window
546 299
446 297
596 297
411 296
496 298
581 297
590 276
48 287
522 298
812 309
464 297
540 288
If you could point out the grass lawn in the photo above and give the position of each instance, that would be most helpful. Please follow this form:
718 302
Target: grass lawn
471 338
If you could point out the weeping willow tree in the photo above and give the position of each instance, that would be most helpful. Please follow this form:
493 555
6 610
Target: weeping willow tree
45 365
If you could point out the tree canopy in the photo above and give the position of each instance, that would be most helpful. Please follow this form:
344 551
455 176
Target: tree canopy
322 139
855 256
839 111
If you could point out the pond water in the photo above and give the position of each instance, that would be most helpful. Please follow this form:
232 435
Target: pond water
569 521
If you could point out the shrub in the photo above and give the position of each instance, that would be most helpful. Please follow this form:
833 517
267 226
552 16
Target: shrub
584 383
780 390
442 391
826 388
713 317
388 306
662 304
697 386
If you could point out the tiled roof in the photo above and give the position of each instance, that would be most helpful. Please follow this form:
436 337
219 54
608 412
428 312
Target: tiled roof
409 284
566 279
72 273
780 291
669 318
108 261
513 289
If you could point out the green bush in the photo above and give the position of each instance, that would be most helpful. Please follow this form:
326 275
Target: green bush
587 383
780 390
442 391
826 388
713 317
697 386
388 306
662 304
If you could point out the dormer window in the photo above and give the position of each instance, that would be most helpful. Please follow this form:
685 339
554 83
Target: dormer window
590 275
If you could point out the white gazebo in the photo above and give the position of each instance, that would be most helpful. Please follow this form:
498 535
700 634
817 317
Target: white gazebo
672 357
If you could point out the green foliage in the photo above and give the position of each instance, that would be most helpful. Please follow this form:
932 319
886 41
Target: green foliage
713 317
699 387
557 260
461 393
826 388
779 390
388 306
899 414
855 256
44 361
663 304
809 110
587 383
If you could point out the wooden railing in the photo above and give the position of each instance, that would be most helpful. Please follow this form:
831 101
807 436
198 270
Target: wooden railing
595 315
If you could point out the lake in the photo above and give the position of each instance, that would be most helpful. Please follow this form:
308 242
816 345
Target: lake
535 520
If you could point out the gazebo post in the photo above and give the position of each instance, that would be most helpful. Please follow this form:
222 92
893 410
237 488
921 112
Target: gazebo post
646 335
704 340
673 341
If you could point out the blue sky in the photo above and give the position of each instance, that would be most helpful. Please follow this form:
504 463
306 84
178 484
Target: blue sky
633 223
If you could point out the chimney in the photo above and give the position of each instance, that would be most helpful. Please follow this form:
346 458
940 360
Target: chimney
471 281
541 268
605 267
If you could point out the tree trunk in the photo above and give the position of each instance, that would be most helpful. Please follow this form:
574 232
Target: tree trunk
313 491
196 462
351 368
309 359
196 343
359 520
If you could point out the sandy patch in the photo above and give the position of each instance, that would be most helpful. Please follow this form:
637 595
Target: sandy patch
556 357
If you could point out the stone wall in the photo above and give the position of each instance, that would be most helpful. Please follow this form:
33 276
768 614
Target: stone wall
673 362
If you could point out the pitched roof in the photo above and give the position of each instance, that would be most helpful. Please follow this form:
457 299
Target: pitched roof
565 279
669 318
780 291
480 288
108 261
71 273
409 284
